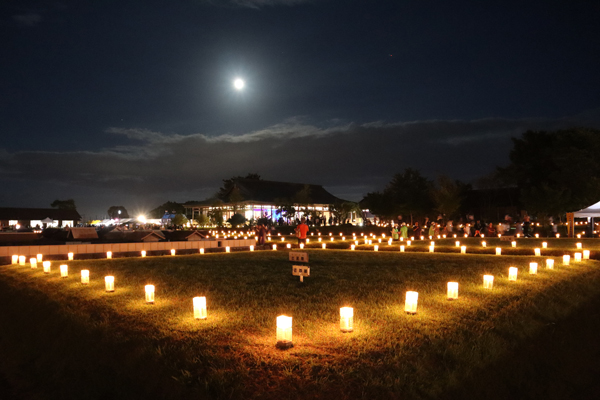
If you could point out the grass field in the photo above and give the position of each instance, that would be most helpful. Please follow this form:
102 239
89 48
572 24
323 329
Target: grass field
62 339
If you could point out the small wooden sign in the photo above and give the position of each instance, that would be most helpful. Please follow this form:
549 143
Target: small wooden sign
300 270
298 256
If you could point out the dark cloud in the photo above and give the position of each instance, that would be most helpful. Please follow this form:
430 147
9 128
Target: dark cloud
348 159
28 19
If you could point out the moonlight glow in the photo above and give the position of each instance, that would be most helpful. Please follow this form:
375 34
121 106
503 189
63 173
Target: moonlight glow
239 84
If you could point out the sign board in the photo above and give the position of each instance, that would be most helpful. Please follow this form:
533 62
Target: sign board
300 270
298 256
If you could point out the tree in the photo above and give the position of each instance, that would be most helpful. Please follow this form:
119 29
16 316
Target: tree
64 204
215 214
228 184
410 193
113 212
447 196
237 220
170 206
563 165
379 204
342 210
235 198
302 198
179 220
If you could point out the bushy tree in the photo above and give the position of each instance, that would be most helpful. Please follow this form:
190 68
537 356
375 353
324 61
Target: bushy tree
179 220
228 184
236 220
113 212
447 196
170 206
410 193
64 204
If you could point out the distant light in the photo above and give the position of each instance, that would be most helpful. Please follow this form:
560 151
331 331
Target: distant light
239 84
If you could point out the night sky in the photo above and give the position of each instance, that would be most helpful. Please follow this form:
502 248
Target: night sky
132 103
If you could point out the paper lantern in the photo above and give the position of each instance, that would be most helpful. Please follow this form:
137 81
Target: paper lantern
251 248
537 235
578 257
301 245
172 252
343 237
284 332
463 249
454 236
586 254
533 268
408 242
33 263
410 304
390 242
402 248
22 260
431 249
549 263
356 242
422 237
482 235
412 238
578 245
498 251
444 236
283 239
39 258
557 235
518 235
566 259
307 241
109 283
202 250
346 319
64 271
143 253
544 245
452 290
85 276
512 273
70 256
199 307
289 246
324 246
432 243
149 293
537 252
376 248
109 254
274 247
513 243
483 244
46 266
488 281
352 247
320 240
228 250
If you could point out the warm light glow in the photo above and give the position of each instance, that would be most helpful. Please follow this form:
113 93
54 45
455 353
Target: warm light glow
375 248
324 246
557 235
432 243
302 245
408 242
39 258
512 273
283 239
549 263
199 307
239 84
172 252
586 254
109 283
284 331
202 250
578 257
463 249
410 305
143 253
431 249
452 290
85 276
289 246
251 248
352 247
227 249
320 240
537 235
274 247
578 245
109 254
537 252
483 244
22 260
149 293
566 259
142 219
513 244
46 266
533 268
64 271
488 281
544 245
346 319
498 251
402 248
33 263
70 256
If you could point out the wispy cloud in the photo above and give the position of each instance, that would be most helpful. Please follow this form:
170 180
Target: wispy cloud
28 19
259 3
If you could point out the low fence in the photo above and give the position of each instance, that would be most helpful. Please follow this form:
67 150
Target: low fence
32 251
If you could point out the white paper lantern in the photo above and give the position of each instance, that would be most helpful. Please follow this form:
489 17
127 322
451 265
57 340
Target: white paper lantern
410 304
512 273
346 319
488 281
199 307
452 290
85 276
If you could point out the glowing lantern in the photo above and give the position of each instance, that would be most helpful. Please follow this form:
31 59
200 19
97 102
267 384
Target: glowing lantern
370 242
518 235
586 254
402 248
410 305
39 258
109 283
274 247
320 240
463 249
412 238
432 243
199 307
452 290
544 245
512 273
251 248
307 241
70 256
64 271
346 319
343 237
22 260
498 251
283 239
172 252
143 253
566 259
483 244
33 263
422 237
301 245
577 257
289 246
149 293
85 276
356 242
227 249
549 263
284 332
324 246
533 268
513 243
444 236
431 249
109 254
390 242
537 235
578 245
557 235
488 281
202 250
376 248
408 242
352 247
482 235
46 266
454 236
537 252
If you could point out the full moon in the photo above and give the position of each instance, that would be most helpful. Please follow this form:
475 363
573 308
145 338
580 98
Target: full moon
239 84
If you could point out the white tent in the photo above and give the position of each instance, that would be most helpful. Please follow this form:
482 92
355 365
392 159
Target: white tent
590 212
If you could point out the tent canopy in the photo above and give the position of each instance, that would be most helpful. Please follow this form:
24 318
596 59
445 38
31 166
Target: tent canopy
592 211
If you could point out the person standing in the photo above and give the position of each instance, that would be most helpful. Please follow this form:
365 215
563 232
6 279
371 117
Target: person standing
301 231
404 230
395 232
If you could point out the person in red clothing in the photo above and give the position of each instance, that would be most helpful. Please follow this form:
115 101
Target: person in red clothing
301 231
